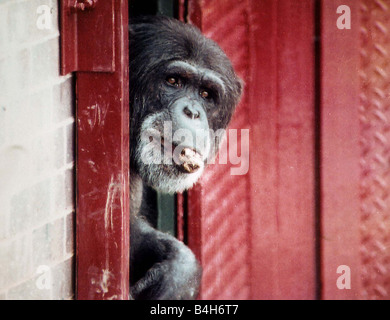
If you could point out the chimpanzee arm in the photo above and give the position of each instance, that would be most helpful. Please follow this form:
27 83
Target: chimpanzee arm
164 268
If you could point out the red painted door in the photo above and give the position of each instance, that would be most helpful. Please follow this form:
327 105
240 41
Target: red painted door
255 233
311 218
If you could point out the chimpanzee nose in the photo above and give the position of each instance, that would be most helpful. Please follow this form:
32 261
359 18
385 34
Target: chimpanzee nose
191 112
188 114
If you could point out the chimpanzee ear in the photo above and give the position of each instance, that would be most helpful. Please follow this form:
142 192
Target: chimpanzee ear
240 87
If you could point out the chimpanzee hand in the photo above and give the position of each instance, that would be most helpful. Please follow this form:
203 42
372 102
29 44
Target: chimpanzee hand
175 276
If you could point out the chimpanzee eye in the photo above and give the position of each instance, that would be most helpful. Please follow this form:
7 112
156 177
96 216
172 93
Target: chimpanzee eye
174 81
205 94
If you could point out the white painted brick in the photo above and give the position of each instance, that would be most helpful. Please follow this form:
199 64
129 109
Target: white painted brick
59 195
58 286
40 202
27 116
69 190
35 33
4 218
62 99
3 80
3 135
62 273
29 290
59 148
21 213
14 171
48 243
70 233
45 57
36 156
15 75
17 22
15 260
21 22
42 155
41 109
70 143
20 121
3 29
64 192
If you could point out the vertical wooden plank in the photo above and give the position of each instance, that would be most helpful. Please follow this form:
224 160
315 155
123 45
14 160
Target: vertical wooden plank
264 244
218 207
296 139
269 213
282 150
103 172
340 150
296 149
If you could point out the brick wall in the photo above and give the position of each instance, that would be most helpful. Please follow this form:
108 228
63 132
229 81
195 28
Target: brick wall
36 155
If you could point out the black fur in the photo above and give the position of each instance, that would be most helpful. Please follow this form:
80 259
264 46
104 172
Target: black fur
161 266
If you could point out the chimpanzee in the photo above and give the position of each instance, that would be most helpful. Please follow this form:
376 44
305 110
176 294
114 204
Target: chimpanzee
182 85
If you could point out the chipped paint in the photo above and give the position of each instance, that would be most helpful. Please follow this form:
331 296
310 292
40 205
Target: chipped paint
102 284
96 115
105 282
92 165
112 191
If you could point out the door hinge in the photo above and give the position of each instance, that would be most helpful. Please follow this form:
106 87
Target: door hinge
83 5
87 36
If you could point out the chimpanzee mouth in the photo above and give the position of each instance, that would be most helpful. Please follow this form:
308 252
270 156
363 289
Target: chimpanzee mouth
190 160
186 159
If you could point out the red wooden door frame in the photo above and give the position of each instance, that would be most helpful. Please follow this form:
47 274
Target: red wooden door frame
94 44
